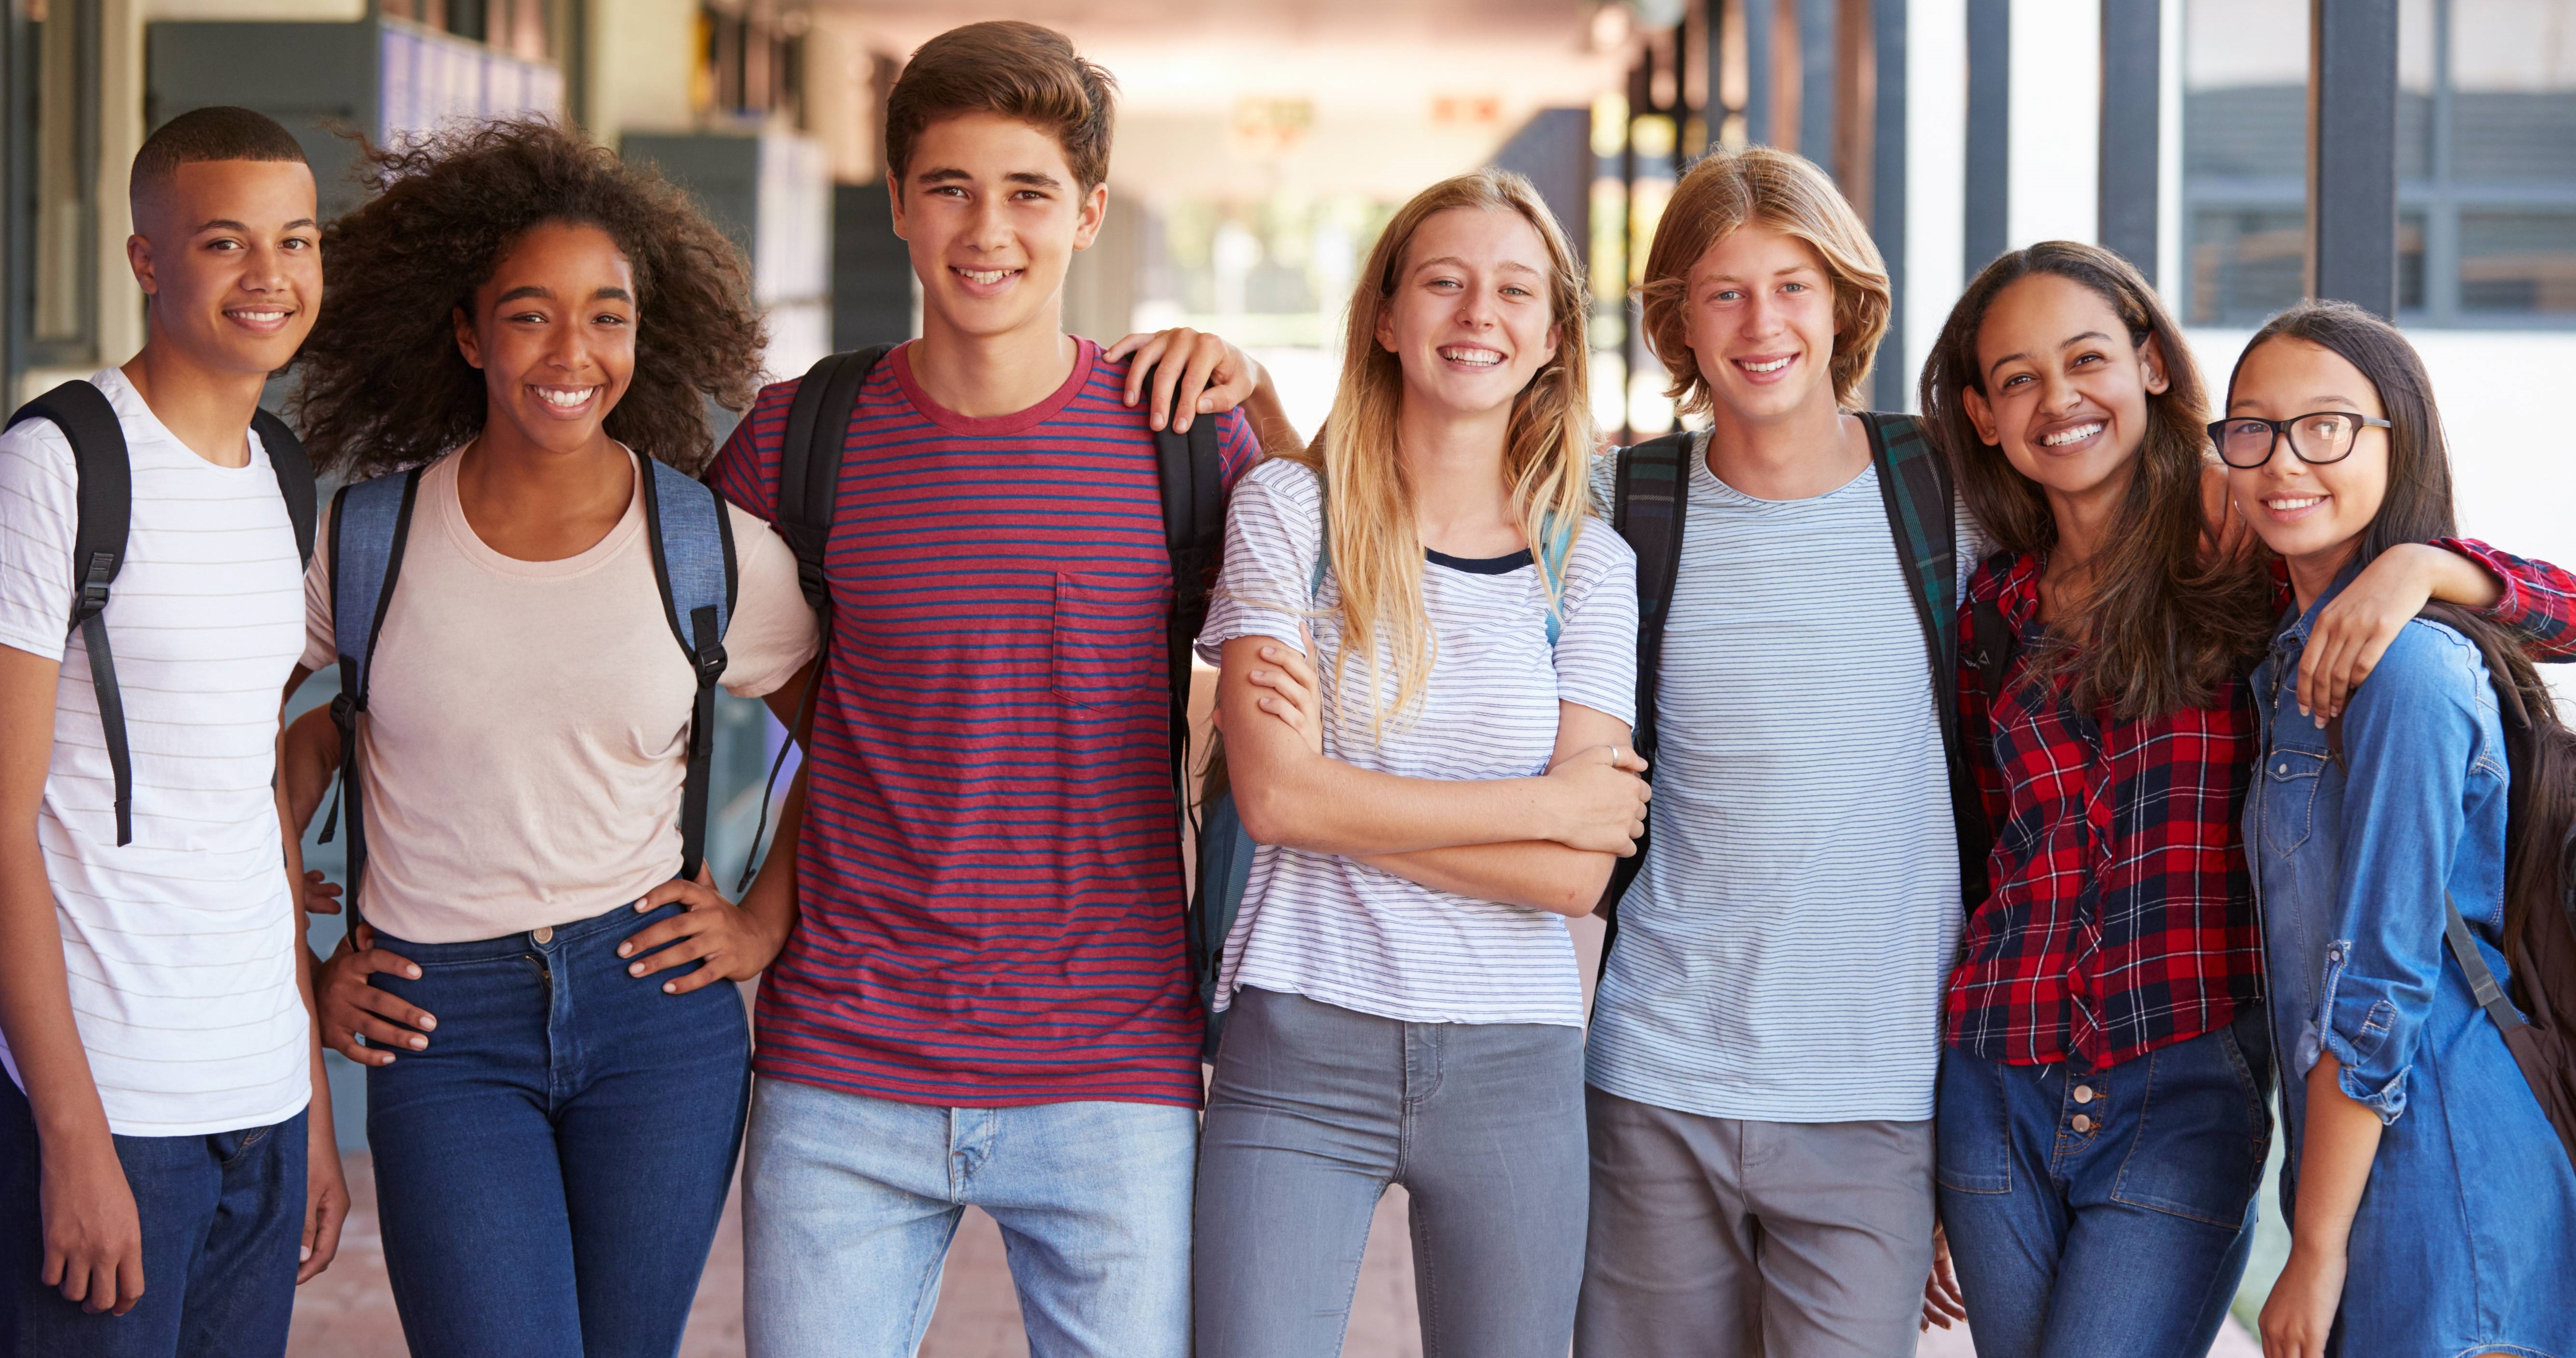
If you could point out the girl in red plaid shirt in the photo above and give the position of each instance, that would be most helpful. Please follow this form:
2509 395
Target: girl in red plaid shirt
2102 1123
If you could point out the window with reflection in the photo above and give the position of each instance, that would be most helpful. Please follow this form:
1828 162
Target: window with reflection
2486 161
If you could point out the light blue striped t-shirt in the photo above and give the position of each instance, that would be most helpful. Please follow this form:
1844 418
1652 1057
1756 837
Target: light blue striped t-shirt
1782 953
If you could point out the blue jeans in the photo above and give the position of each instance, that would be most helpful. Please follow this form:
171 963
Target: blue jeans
849 1203
2105 1212
223 1222
1317 1108
550 1171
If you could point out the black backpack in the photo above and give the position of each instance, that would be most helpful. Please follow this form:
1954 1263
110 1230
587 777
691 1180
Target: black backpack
1192 475
106 473
1648 507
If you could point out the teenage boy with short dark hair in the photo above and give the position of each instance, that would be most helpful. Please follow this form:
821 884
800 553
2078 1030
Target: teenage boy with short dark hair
987 999
163 1159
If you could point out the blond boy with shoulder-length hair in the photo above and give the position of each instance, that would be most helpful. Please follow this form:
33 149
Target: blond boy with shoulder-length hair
1768 1024
1791 195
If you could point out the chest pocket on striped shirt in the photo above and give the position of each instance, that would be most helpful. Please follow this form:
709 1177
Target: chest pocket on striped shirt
1108 640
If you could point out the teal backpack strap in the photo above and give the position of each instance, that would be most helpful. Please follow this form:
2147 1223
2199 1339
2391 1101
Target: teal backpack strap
1553 552
1922 513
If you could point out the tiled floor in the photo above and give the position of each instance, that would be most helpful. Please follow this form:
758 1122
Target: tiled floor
348 1313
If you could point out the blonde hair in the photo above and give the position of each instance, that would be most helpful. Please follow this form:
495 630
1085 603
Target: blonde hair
1370 536
1790 195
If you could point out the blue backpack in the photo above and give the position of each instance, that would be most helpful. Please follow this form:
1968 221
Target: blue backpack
1225 849
693 561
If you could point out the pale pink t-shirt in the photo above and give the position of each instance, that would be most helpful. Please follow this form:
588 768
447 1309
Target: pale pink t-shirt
527 723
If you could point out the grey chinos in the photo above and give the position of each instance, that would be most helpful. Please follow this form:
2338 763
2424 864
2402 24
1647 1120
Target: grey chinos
1725 1238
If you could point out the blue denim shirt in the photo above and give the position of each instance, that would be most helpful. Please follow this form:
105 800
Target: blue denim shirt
2353 860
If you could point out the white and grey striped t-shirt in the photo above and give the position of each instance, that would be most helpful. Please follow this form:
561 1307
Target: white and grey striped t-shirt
1782 954
1345 933
181 945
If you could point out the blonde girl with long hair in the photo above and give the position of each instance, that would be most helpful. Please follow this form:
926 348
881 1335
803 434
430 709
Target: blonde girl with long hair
1399 990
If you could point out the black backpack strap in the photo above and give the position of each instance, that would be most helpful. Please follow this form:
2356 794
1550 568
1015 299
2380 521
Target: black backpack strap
1649 500
809 482
106 499
294 472
1190 468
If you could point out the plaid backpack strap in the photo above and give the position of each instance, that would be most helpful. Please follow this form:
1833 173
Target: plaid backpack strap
1922 513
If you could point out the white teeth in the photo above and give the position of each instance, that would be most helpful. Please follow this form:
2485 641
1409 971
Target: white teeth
986 275
261 316
2302 502
558 396
1773 366
2077 434
1483 358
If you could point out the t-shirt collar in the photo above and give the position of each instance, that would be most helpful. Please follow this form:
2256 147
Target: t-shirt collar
1086 357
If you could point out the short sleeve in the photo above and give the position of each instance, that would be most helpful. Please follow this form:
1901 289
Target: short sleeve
1274 532
39 515
321 650
1603 478
773 632
746 469
1596 648
1237 447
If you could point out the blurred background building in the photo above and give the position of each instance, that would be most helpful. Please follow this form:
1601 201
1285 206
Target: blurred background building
2418 156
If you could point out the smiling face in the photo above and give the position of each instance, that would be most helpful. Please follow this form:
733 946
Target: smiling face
993 212
1760 322
2065 391
554 332
229 253
1468 319
2312 516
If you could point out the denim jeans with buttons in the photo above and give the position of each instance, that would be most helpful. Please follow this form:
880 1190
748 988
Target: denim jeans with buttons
2105 1212
551 1169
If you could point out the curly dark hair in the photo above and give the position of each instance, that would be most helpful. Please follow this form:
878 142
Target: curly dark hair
383 386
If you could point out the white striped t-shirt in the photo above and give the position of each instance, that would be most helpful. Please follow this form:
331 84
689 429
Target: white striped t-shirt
1782 953
1345 933
180 946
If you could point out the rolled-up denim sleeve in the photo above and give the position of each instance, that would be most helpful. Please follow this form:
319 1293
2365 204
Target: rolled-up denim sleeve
2412 737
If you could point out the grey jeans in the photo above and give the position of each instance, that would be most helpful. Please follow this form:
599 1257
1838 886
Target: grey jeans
1316 1109
1713 1237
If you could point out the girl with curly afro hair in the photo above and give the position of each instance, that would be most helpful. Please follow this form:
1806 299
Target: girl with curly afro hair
515 322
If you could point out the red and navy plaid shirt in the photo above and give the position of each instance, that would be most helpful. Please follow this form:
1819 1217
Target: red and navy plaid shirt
2119 915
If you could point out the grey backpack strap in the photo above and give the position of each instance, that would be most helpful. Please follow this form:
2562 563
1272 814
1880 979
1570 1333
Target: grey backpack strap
693 563
369 522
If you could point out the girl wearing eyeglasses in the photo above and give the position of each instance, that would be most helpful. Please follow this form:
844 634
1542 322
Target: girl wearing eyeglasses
2102 1127
2387 876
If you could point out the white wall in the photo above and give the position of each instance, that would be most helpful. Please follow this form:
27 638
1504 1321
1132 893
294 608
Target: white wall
1936 173
2055 118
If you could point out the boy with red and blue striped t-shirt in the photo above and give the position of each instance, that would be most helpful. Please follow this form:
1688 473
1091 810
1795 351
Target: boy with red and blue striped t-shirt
987 997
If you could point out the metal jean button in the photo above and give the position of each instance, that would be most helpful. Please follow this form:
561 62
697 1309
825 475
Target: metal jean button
545 933
2083 1093
2083 1123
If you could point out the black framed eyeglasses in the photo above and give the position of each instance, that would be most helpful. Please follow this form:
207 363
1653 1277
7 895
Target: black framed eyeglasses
2245 441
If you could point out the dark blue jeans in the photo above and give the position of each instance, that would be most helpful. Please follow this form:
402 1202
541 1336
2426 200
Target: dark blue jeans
549 1173
223 1223
2105 1212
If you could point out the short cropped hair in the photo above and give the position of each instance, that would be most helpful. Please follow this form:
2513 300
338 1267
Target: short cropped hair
218 133
1018 70
1789 194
